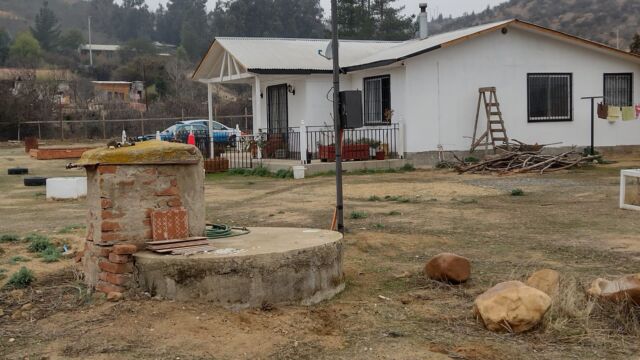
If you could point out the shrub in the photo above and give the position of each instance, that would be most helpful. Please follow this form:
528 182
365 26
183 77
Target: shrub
9 238
50 255
408 167
374 198
22 278
517 192
39 245
35 237
471 159
378 226
284 174
358 215
394 213
69 228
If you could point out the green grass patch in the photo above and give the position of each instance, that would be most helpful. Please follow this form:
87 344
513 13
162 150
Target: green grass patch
51 255
394 213
16 259
39 245
22 278
517 192
471 160
378 226
374 198
356 214
6 238
70 228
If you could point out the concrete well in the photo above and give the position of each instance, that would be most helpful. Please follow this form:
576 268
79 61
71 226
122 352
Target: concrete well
128 188
268 266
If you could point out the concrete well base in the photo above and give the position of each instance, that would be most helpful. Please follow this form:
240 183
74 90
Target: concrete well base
268 266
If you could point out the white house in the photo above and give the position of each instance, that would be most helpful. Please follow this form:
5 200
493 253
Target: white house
432 83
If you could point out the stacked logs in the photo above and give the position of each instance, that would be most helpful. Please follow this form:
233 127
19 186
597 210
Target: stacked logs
514 162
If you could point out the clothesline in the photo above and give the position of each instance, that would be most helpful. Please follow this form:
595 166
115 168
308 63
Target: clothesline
615 113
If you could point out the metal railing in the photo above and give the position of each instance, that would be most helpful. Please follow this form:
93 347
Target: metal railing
241 152
280 144
372 142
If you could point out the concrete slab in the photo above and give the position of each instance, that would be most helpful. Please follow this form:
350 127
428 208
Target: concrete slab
268 266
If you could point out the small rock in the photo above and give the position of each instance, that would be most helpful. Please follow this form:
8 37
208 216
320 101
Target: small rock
448 267
1 313
545 280
621 289
17 315
511 306
114 296
27 307
12 339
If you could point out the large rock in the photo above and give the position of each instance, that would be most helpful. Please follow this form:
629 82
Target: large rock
448 267
624 288
545 280
511 306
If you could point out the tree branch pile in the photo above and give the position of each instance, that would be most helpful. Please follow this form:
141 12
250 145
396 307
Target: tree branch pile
514 162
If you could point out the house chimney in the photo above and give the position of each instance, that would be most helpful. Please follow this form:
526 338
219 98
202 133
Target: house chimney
423 21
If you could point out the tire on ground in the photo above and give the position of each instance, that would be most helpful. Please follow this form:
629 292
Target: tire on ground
17 171
35 181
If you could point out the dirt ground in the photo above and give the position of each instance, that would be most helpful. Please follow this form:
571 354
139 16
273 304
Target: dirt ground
566 221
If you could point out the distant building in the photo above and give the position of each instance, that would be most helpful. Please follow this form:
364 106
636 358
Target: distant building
132 93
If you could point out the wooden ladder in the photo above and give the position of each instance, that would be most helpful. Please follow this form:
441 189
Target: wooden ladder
496 132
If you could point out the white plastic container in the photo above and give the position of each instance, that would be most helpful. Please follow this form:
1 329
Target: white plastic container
66 188
298 172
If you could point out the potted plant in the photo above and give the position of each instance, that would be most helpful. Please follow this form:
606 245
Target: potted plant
380 153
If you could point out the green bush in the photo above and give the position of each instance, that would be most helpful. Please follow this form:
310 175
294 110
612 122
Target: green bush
378 226
517 192
22 278
39 245
374 198
35 237
358 215
51 255
9 238
284 174
471 159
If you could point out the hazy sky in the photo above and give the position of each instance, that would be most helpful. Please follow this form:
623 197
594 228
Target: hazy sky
446 7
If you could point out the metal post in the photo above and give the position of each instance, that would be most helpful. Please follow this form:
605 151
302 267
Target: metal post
210 108
593 151
336 116
90 45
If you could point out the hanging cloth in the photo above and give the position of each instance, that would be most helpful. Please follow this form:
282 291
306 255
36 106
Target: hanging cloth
628 113
603 111
615 113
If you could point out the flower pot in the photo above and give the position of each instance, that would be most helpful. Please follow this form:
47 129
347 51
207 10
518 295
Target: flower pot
380 155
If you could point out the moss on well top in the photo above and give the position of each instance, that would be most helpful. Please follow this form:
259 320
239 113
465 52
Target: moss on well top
148 152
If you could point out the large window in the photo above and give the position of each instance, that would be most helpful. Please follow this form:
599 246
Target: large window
377 100
618 89
549 97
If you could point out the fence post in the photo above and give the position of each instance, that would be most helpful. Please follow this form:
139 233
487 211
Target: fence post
403 138
303 143
142 122
104 126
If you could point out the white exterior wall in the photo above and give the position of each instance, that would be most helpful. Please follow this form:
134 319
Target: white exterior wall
442 91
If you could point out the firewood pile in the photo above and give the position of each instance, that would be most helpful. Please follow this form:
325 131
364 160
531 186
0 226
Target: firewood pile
517 161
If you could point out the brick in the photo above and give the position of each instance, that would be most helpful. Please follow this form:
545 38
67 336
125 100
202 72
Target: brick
106 288
106 203
174 182
151 171
108 226
170 191
175 202
125 249
111 237
109 214
119 259
102 251
107 169
115 279
113 268
148 212
146 222
126 183
170 224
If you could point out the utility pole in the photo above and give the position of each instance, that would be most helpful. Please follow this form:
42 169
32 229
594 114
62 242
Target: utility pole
336 116
90 47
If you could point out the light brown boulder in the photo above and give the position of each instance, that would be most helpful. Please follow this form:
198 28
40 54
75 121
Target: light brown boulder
624 288
511 306
545 280
448 267
114 296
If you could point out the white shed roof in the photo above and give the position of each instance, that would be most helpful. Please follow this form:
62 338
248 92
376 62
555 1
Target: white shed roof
288 56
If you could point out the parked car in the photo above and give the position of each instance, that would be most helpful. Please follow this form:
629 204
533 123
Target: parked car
221 133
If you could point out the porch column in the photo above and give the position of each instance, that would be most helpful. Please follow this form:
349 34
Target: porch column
210 106
303 143
257 111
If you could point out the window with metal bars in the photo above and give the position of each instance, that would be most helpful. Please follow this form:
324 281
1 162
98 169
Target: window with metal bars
618 89
377 100
549 97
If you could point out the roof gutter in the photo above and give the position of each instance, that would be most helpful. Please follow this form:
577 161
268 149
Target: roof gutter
288 71
390 61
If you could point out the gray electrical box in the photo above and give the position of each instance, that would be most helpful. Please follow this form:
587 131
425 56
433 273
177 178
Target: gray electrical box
351 109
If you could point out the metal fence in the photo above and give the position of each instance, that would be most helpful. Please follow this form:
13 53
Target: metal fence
378 142
112 128
242 152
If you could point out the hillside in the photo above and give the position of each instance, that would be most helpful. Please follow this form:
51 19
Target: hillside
591 19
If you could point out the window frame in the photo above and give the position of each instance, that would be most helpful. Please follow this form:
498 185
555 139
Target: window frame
570 95
604 87
365 112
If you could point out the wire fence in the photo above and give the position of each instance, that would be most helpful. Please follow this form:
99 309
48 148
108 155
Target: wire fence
112 128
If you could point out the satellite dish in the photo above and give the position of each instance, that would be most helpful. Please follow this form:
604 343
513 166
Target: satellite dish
329 52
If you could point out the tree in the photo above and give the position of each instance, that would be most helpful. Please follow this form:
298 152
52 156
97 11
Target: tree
5 42
71 40
634 48
47 29
374 19
25 50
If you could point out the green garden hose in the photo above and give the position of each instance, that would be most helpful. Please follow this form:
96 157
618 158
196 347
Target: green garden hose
218 231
